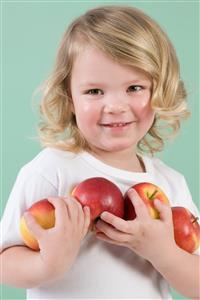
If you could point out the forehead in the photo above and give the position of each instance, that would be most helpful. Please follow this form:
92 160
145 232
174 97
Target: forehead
93 63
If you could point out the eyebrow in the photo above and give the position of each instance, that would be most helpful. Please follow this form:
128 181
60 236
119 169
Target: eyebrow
90 84
135 80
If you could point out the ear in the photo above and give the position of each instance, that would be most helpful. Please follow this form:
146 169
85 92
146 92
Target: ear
72 106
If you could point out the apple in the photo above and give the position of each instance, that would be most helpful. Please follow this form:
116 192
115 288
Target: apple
100 195
44 213
186 229
148 192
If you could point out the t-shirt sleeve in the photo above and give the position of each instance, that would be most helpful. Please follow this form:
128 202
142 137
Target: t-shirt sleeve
30 186
175 185
185 197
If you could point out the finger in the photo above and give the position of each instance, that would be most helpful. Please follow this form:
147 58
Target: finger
115 221
74 208
139 206
164 210
61 212
34 228
111 232
104 238
87 220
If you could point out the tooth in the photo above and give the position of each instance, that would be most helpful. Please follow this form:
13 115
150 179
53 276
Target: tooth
118 125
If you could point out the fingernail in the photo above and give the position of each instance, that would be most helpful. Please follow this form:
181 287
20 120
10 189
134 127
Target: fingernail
87 209
103 215
157 202
131 191
97 230
26 214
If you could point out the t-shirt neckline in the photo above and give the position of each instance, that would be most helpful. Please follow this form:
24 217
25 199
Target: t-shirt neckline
119 173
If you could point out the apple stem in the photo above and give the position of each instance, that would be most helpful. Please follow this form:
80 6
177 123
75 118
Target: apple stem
151 197
195 220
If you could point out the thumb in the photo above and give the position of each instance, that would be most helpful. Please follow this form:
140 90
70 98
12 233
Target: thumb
34 228
138 204
164 210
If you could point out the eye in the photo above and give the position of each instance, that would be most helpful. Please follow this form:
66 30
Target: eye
135 88
94 92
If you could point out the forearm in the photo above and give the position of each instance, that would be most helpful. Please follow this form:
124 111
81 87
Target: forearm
22 267
181 270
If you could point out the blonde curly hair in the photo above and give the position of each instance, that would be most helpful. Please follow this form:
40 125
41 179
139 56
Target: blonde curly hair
131 38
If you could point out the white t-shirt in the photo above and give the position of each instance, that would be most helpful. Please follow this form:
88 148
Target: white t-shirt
101 270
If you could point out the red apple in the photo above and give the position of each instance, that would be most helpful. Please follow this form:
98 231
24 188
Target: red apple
100 195
148 192
186 229
44 213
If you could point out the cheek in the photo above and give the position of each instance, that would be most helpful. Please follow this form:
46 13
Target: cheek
81 108
142 109
86 114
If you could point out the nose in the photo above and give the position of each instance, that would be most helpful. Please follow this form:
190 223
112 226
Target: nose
115 106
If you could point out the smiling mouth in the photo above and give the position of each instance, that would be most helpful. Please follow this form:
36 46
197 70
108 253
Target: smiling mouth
119 124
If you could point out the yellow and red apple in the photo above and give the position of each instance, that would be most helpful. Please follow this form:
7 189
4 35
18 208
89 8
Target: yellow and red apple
148 192
44 213
100 194
186 229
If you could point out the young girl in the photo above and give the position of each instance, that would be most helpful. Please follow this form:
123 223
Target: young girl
114 94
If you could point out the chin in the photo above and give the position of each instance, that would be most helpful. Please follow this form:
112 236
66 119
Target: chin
118 147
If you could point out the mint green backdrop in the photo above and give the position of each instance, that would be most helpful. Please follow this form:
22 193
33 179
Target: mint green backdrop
31 31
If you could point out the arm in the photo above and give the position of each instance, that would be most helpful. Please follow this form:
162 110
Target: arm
181 270
154 240
59 247
22 268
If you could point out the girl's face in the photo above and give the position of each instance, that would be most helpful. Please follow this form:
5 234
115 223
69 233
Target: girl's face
111 102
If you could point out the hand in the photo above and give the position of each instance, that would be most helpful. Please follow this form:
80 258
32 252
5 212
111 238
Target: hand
149 238
59 245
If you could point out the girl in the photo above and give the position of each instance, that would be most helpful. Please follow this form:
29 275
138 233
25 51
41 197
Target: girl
114 93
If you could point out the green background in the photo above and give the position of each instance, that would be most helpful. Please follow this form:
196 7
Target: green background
31 31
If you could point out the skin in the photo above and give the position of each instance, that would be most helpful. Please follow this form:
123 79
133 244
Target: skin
153 239
138 234
104 93
118 94
71 226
